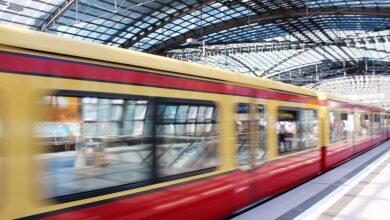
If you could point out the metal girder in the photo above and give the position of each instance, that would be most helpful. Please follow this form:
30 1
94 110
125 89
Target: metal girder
254 10
259 48
318 27
311 31
336 69
283 61
264 18
56 14
162 22
132 23
243 64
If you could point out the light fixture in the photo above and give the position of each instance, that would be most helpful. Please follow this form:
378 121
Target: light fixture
192 41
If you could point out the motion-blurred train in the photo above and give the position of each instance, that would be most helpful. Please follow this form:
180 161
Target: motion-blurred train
94 132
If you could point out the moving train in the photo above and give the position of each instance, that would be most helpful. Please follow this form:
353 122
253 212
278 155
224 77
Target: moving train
90 131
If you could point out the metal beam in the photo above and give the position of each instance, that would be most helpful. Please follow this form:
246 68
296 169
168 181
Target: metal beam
265 18
335 70
283 61
243 64
262 47
56 14
162 22
168 18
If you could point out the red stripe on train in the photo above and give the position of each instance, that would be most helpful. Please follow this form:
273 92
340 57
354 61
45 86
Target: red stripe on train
62 68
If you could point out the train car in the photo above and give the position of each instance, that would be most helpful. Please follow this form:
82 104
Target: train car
349 128
95 132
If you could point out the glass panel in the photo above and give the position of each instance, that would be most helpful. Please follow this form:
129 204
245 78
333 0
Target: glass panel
183 143
365 123
308 128
201 114
261 125
344 126
140 111
297 129
242 119
192 113
375 123
169 112
358 125
286 129
382 118
334 126
182 113
387 122
91 146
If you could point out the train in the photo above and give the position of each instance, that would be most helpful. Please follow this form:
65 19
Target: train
90 131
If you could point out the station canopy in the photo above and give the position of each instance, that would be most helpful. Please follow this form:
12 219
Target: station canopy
303 42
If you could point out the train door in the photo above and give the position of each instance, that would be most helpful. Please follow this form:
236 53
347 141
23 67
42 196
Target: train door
351 130
251 152
259 124
384 126
245 135
387 126
259 151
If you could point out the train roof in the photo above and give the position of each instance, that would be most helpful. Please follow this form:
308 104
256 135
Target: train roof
327 96
44 42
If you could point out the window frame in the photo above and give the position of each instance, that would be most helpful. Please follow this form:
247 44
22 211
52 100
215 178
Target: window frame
178 101
297 109
154 179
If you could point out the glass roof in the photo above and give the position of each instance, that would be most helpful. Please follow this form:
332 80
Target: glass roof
282 40
336 26
285 35
372 89
143 24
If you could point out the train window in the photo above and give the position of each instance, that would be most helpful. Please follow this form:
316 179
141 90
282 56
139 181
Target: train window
94 143
242 119
344 128
297 129
365 123
347 126
387 121
308 128
375 123
286 129
261 128
186 137
334 126
361 124
358 124
382 123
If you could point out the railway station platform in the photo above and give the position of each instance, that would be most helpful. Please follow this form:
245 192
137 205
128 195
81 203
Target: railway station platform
357 189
